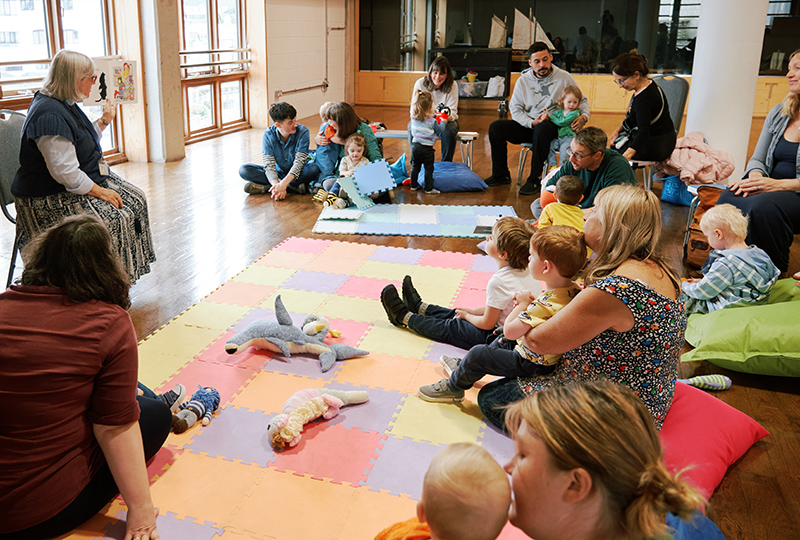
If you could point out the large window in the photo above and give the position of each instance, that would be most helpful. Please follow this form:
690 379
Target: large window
41 28
214 67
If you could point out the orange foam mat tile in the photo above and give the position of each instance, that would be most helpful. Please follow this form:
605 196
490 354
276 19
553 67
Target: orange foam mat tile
268 391
204 488
380 370
286 506
369 513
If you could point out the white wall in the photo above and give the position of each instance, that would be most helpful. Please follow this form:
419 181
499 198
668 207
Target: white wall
295 41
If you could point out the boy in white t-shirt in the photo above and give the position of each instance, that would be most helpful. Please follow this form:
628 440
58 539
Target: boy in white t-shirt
465 328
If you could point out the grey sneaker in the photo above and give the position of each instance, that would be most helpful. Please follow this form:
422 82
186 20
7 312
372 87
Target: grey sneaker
432 191
255 189
440 392
174 397
450 364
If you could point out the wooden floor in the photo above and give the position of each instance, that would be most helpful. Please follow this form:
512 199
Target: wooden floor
206 229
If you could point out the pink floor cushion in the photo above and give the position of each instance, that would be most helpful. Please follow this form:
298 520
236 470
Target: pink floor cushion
706 435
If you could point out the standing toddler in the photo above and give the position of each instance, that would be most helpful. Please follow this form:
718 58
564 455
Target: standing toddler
423 128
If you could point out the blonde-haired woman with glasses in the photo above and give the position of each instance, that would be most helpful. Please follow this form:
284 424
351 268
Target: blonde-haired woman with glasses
626 326
62 170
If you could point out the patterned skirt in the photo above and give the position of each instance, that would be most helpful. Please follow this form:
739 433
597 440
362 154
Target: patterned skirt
129 226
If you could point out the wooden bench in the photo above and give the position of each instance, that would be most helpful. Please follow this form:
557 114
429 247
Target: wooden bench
465 138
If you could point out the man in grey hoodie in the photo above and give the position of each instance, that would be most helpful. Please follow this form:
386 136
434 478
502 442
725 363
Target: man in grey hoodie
536 91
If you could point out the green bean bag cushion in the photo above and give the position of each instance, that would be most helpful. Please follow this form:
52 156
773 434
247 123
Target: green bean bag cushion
761 339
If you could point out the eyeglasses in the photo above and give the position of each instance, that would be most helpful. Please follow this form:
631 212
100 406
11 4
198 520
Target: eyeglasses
620 82
94 78
579 156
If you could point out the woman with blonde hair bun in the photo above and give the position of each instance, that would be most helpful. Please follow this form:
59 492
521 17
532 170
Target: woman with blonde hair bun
627 324
588 464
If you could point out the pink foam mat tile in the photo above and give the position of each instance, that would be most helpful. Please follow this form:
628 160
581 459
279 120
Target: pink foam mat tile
351 332
364 287
159 463
303 245
397 255
251 359
447 259
470 298
331 451
168 526
227 379
242 294
477 280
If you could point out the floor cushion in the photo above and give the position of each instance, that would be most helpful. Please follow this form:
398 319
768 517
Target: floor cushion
706 435
751 339
454 176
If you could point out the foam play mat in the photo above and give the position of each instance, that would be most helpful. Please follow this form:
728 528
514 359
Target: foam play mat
349 477
414 220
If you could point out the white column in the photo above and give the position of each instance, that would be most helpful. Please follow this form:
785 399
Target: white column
647 29
162 77
724 74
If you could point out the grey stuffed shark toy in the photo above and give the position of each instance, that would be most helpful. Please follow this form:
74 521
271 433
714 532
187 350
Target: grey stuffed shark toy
284 338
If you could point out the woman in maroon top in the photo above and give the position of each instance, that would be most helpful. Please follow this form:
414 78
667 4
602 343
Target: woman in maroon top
78 434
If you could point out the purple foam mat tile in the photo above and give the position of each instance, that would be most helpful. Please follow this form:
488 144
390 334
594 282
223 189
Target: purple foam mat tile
374 415
457 219
236 434
497 443
304 366
436 350
484 263
322 282
401 466
396 255
168 527
377 228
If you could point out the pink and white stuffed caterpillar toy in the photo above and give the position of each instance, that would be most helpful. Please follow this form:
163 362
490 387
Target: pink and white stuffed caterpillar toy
303 407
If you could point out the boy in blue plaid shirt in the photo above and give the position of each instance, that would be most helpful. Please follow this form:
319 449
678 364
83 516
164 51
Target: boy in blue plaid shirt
734 273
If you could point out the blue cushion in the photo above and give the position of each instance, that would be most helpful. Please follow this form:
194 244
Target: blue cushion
452 176
700 528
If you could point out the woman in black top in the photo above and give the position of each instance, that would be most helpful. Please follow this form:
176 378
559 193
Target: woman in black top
647 133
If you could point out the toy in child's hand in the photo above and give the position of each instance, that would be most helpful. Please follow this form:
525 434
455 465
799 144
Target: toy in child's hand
200 406
329 132
303 407
284 338
443 114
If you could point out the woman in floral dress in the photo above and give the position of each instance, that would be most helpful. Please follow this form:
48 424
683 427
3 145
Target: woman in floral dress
627 325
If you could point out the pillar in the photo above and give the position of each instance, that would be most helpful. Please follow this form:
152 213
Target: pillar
647 29
725 73
163 80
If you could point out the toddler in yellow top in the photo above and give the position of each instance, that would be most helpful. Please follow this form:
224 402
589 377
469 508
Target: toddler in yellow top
557 254
569 192
465 496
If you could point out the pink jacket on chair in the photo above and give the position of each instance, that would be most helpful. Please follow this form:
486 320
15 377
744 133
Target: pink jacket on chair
698 163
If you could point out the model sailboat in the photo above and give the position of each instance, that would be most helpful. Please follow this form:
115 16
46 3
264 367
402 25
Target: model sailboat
527 30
